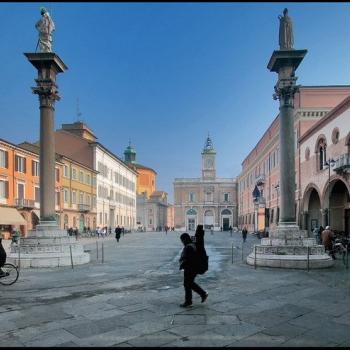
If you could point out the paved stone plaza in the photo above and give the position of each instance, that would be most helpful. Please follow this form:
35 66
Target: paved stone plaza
133 298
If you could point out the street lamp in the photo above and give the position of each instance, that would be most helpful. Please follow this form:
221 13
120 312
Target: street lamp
329 164
277 188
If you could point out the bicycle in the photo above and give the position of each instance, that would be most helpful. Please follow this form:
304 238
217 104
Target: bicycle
12 274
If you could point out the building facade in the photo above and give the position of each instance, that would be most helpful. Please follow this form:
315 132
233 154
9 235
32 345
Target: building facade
20 187
79 196
115 180
325 171
207 200
151 205
258 182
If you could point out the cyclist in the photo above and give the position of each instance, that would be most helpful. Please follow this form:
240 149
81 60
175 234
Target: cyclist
2 259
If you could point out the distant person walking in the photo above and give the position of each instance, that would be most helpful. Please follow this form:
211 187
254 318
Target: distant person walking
117 231
188 263
327 240
230 228
244 234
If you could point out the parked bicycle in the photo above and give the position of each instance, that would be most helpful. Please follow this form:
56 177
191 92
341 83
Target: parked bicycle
341 246
11 274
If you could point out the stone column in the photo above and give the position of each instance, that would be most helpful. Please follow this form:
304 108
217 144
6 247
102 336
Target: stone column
48 65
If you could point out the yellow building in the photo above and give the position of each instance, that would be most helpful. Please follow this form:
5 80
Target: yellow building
79 195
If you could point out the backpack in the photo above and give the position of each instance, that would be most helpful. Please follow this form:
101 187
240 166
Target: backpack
202 257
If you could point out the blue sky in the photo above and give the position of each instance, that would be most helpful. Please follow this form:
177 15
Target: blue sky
166 74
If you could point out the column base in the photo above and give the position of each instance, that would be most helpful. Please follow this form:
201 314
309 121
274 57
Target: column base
47 246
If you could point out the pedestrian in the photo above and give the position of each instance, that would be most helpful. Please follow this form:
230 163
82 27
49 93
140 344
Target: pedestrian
211 229
188 263
2 259
244 233
123 230
117 233
230 228
166 230
327 238
76 233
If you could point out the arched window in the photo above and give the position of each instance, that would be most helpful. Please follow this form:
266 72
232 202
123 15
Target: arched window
321 147
191 212
226 212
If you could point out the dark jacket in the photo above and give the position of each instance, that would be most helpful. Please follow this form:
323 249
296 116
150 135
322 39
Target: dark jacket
2 254
188 259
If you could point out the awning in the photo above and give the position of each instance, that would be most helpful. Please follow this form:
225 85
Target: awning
36 212
10 216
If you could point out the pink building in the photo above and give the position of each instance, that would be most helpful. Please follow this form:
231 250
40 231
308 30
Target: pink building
260 169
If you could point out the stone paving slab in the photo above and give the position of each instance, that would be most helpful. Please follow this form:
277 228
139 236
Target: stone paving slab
132 299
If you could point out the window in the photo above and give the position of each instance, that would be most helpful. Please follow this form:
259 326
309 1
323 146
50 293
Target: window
225 197
94 201
57 172
88 199
335 136
87 179
4 189
74 174
66 195
37 194
35 168
20 164
100 219
191 199
81 198
20 191
81 176
94 181
65 171
74 197
57 198
4 159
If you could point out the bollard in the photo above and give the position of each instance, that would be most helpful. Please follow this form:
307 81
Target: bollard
103 255
71 256
308 258
255 257
19 254
232 254
96 250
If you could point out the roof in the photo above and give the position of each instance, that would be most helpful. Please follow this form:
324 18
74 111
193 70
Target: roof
158 193
140 166
31 147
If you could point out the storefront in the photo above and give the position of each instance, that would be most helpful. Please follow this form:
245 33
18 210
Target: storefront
10 221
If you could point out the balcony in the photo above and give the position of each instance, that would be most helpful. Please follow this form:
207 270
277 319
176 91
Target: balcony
84 207
342 164
24 203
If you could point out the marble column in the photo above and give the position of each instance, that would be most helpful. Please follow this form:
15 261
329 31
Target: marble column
48 65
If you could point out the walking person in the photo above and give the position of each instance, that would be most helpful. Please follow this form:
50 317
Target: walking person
230 228
244 234
117 233
188 263
327 240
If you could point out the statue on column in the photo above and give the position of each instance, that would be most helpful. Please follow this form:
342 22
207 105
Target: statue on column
45 27
286 39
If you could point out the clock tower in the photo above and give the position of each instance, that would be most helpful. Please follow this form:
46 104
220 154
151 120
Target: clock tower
208 161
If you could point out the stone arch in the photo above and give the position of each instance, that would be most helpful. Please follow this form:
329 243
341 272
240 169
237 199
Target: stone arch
226 212
311 208
191 212
347 141
306 197
319 140
334 178
320 150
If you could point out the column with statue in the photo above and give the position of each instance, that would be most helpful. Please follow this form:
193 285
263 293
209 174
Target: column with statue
47 245
287 246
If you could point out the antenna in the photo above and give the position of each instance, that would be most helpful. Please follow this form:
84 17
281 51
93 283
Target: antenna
78 111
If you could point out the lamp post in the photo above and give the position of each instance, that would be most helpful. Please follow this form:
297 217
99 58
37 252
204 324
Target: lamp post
330 164
277 188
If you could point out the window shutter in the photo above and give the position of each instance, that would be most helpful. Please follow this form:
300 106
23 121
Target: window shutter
16 163
33 167
6 189
6 160
25 165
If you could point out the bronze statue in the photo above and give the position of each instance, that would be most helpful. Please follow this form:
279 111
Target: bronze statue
45 27
286 39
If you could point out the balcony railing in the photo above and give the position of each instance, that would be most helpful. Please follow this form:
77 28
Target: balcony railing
342 163
24 203
84 207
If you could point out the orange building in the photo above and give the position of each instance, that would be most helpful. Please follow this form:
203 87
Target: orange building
19 188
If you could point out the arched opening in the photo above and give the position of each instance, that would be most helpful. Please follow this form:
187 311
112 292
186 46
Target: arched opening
208 219
191 219
35 219
313 211
339 213
321 146
226 219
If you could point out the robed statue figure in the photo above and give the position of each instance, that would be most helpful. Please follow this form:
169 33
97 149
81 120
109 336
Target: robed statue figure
286 39
45 27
